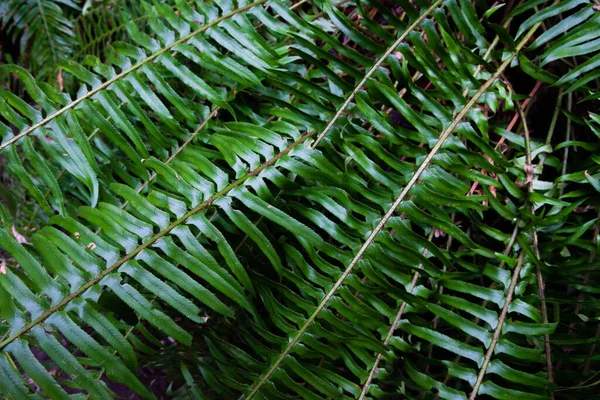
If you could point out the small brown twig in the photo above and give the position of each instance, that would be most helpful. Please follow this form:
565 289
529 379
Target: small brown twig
513 122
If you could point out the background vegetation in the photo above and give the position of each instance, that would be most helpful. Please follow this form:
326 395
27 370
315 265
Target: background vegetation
362 199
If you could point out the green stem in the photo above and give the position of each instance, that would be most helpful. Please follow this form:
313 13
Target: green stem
390 333
536 250
552 127
517 270
498 330
200 207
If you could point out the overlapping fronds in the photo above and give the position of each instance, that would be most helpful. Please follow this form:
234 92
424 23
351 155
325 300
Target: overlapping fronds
309 200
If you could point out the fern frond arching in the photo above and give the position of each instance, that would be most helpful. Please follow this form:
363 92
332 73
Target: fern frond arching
127 71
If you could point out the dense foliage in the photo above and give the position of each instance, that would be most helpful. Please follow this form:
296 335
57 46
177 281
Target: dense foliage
363 199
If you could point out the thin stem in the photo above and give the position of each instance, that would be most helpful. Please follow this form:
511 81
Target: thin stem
511 288
542 296
291 176
200 127
581 385
498 330
511 125
536 250
380 61
568 137
588 362
403 305
200 207
507 250
95 131
552 125
153 298
393 327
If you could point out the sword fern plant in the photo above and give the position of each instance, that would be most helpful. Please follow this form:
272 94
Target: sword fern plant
312 200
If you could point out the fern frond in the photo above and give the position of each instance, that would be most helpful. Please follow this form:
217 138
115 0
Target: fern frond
44 32
105 23
407 188
131 69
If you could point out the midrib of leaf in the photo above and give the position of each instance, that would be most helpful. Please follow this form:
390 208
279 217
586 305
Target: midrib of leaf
498 330
536 250
183 145
212 115
179 149
365 390
506 252
516 272
379 357
128 71
47 30
444 135
397 319
364 80
513 237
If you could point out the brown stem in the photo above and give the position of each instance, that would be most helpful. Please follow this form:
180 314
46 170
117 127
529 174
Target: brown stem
512 124
536 250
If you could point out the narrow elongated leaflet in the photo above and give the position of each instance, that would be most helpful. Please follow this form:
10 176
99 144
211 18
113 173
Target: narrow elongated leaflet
175 153
379 357
131 255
